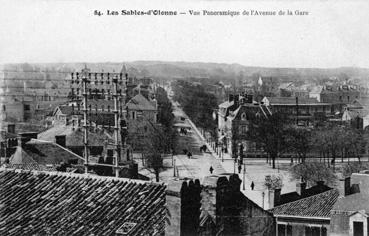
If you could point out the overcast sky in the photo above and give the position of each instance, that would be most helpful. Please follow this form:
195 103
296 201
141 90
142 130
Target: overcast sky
335 33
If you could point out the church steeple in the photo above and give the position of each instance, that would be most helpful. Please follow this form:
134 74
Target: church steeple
124 69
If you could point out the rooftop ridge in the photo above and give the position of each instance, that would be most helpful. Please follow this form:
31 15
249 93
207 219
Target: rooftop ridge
86 176
306 198
58 145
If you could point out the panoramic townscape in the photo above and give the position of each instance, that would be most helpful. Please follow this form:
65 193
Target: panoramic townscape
180 148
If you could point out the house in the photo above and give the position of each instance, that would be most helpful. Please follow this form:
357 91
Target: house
35 154
275 198
305 211
307 216
339 94
350 214
234 118
99 141
141 116
291 90
357 113
40 203
15 109
308 109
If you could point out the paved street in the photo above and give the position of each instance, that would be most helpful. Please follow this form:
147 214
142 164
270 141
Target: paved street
198 166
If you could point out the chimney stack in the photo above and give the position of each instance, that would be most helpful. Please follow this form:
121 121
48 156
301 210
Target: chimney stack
61 140
11 128
273 198
300 187
344 186
230 97
237 101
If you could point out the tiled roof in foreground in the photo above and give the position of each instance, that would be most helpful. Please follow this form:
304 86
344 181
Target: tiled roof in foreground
318 205
50 203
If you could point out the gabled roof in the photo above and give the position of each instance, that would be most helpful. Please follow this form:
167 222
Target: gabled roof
226 104
74 204
75 137
294 196
42 153
353 202
318 206
139 102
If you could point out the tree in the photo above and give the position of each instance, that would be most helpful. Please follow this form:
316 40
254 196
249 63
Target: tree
197 103
273 182
312 172
350 168
153 148
270 133
299 141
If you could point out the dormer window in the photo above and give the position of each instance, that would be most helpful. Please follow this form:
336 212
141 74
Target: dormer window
243 116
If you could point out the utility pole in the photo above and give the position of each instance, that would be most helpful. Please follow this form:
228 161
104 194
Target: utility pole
116 126
106 78
85 80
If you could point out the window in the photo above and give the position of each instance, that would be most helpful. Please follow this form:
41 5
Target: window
289 230
133 114
243 116
281 230
27 107
4 108
243 129
284 230
358 228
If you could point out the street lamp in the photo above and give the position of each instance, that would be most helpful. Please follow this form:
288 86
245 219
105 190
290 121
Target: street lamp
174 168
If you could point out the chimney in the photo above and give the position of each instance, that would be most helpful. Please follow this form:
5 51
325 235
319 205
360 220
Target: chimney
344 186
25 137
11 128
61 140
230 97
273 198
300 187
237 101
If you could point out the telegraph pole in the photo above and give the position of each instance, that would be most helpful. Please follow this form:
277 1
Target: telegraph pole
85 79
106 78
116 126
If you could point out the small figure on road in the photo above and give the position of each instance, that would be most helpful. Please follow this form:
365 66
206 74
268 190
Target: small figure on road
189 154
239 169
211 170
252 185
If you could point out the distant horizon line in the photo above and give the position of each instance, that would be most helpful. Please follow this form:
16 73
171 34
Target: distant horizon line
190 62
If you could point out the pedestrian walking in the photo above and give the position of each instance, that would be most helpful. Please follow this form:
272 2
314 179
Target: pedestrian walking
239 169
252 185
189 154
211 170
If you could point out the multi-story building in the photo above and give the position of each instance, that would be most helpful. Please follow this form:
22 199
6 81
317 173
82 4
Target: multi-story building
234 118
336 94
301 109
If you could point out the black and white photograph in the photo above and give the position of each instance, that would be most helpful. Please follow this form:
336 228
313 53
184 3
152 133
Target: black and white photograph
184 118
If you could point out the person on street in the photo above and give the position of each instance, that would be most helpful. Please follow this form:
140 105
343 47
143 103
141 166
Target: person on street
189 154
252 185
239 169
211 170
